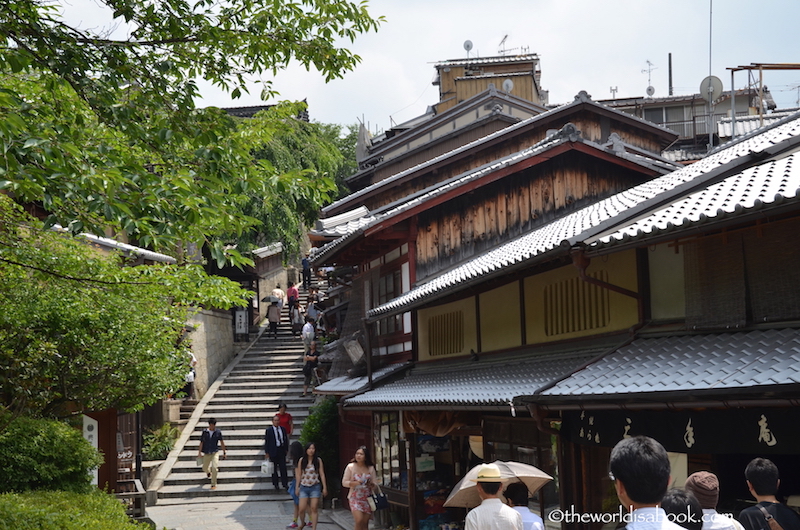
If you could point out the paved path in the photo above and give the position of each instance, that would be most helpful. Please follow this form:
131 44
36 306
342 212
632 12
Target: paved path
232 514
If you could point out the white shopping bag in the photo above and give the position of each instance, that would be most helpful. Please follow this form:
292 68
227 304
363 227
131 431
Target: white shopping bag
267 467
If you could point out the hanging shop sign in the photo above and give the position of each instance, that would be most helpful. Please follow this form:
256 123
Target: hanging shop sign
770 431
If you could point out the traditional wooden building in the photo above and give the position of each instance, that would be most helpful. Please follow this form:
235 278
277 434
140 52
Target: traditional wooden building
417 226
668 309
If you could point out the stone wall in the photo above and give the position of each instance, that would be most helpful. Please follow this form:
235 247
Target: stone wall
212 344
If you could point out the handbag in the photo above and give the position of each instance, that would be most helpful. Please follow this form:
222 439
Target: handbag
378 501
268 467
199 461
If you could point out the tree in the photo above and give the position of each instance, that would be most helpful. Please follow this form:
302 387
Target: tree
80 333
102 131
315 154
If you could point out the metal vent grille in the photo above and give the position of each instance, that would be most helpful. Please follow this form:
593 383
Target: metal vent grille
446 334
574 305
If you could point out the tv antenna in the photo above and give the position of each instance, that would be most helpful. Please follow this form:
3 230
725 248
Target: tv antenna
613 90
501 47
649 70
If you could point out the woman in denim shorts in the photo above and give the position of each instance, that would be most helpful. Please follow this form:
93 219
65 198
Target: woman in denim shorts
311 485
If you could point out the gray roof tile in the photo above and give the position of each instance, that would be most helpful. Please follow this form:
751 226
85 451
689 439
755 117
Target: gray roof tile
692 363
347 385
472 384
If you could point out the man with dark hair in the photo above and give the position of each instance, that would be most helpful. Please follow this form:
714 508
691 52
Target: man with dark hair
683 508
491 513
639 467
517 496
210 442
763 481
276 446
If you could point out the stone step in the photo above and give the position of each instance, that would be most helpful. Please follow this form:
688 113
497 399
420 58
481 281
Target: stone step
223 477
224 489
246 454
241 434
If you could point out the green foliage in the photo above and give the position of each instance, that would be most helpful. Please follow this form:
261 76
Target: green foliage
103 133
45 454
322 428
80 333
60 510
158 442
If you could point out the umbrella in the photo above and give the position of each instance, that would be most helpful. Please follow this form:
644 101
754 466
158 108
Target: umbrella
465 493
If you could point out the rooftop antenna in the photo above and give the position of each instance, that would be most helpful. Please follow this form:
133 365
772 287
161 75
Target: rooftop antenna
501 47
468 46
613 90
650 67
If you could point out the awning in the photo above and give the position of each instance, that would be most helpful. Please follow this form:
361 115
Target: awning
344 385
482 384
692 370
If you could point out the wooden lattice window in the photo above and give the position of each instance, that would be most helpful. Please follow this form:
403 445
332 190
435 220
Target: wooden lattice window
574 305
446 333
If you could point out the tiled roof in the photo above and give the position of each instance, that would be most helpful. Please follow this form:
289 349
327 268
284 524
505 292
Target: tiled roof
471 384
347 385
748 124
125 248
726 362
603 216
488 60
755 188
568 133
580 99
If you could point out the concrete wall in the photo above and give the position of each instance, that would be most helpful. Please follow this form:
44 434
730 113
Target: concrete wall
212 344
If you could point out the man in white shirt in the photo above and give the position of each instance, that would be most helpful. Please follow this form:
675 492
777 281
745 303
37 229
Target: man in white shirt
639 467
491 513
704 485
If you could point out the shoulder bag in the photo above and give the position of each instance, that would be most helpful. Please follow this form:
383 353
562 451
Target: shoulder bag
378 501
773 524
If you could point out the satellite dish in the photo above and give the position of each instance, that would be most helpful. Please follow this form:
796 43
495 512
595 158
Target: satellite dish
508 85
468 45
650 91
710 88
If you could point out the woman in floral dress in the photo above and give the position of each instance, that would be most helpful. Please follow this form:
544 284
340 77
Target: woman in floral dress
359 477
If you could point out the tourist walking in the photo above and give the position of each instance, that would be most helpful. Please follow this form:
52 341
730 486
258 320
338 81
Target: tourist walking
311 358
491 513
273 317
292 294
307 333
359 477
295 454
310 477
763 480
704 485
297 318
639 467
285 419
306 264
210 442
278 293
517 496
276 446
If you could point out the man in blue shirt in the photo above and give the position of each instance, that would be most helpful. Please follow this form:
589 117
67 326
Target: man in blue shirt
210 441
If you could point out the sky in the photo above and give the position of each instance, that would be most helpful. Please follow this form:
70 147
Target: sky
582 45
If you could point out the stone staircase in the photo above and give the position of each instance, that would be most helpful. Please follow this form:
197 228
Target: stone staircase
268 373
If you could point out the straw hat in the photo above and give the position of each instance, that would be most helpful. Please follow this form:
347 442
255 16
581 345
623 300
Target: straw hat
488 473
